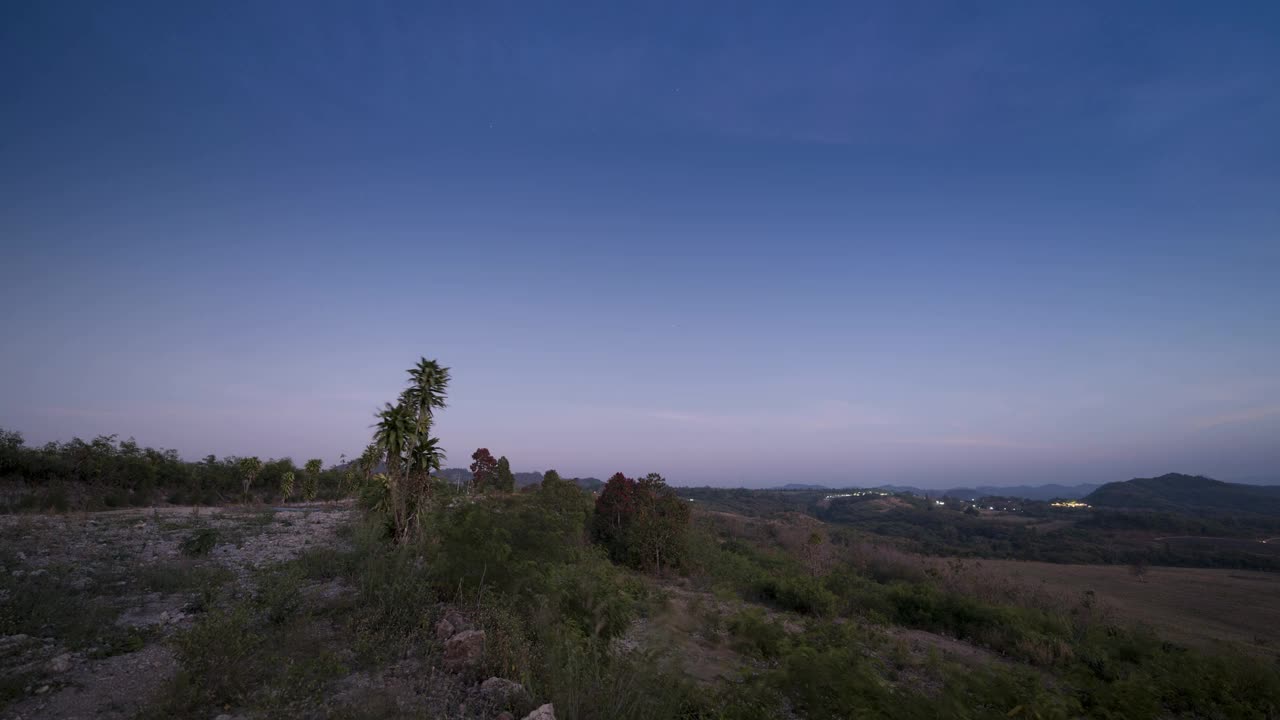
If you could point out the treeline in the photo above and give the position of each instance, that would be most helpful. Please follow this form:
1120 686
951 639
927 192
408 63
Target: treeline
107 472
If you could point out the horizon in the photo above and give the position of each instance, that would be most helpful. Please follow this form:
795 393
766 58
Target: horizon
747 248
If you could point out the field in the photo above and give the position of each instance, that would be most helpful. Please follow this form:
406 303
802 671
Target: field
1194 605
90 603
504 604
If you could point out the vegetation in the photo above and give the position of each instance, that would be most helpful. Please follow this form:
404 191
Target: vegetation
806 603
403 442
1188 494
107 472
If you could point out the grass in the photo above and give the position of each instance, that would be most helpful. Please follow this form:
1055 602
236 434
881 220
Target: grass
1197 606
185 575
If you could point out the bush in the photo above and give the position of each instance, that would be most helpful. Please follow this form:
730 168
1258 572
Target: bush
756 635
799 593
200 543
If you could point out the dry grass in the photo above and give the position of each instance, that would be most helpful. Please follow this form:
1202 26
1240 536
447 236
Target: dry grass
1192 605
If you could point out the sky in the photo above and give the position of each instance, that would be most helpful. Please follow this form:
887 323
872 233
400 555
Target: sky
734 243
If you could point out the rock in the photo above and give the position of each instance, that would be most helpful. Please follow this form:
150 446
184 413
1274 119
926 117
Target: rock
546 712
60 664
42 689
504 715
501 691
464 649
451 624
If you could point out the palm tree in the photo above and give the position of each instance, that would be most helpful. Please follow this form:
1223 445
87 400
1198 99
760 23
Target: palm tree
391 435
249 469
402 435
426 391
286 485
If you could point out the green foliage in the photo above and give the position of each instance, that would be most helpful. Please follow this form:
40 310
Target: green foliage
44 603
199 543
754 634
504 480
249 469
311 479
801 593
286 485
642 523
402 439
183 576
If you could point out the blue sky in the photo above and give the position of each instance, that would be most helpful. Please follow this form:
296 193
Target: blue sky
734 243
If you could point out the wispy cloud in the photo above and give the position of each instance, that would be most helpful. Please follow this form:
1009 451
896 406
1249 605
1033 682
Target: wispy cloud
976 441
830 415
1239 416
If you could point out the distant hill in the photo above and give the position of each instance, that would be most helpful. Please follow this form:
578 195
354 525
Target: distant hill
1026 492
1187 493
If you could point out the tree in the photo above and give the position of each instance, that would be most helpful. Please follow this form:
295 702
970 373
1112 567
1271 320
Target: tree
402 440
550 476
614 508
249 469
504 480
642 522
484 469
286 485
311 480
659 531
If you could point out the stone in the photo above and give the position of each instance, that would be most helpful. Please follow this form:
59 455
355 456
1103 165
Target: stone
60 664
464 649
501 691
451 624
546 712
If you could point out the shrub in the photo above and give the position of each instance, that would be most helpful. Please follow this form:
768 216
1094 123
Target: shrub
754 634
200 543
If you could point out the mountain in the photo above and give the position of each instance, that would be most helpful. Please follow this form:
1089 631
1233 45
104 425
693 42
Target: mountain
1175 492
1026 492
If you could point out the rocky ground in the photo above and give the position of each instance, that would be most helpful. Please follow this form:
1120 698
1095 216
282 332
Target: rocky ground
93 609
90 602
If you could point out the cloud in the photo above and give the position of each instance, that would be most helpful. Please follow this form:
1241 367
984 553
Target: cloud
976 441
1240 416
829 415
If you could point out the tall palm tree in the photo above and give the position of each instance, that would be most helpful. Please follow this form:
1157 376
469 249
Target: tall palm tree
402 434
392 433
426 392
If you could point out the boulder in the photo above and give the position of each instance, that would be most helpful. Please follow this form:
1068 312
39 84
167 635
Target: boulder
60 664
546 712
451 624
501 691
464 649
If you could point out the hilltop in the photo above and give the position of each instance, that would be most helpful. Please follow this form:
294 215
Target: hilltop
1175 492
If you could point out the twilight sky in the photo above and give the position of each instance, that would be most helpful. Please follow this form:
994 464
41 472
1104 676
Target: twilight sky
734 243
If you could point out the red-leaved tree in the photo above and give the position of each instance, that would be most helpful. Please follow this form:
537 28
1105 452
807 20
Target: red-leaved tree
484 469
